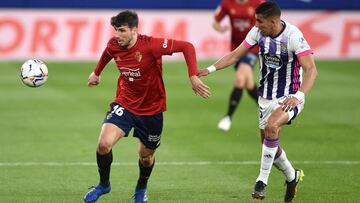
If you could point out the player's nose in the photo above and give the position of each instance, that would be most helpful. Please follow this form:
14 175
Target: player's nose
118 38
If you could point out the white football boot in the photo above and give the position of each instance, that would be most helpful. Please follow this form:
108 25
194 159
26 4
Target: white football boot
225 124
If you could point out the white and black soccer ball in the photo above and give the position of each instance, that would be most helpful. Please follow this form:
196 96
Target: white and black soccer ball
34 73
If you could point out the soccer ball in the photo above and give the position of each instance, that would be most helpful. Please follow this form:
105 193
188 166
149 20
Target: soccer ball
34 73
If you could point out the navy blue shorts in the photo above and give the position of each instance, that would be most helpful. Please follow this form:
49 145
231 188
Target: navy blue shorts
147 128
250 58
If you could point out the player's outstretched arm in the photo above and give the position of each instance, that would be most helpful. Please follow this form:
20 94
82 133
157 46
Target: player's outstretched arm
190 57
226 60
199 87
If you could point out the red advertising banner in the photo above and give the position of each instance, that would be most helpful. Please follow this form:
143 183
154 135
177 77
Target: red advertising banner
83 34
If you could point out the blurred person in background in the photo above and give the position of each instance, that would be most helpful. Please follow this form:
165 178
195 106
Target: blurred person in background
242 18
284 55
140 97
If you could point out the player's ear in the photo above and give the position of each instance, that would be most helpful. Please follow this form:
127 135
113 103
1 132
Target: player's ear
134 30
273 21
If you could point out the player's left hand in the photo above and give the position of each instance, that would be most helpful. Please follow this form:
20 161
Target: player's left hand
199 87
289 103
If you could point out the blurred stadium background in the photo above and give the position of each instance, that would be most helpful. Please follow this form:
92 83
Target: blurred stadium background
48 134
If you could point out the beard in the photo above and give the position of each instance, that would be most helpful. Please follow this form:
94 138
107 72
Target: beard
125 44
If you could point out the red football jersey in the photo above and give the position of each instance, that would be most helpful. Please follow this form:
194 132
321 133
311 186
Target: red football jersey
242 18
140 86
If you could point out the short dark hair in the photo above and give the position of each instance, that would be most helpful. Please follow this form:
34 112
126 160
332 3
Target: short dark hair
268 9
129 18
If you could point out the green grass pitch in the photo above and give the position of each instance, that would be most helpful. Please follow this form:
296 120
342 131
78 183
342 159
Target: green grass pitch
48 137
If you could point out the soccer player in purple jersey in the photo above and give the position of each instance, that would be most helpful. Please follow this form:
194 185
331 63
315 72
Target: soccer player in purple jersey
284 55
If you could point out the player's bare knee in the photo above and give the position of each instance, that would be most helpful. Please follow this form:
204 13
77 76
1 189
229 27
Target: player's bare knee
239 83
271 130
146 161
103 147
250 85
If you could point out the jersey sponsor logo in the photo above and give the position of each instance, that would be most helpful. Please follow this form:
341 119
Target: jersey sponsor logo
272 61
165 44
242 24
131 74
138 56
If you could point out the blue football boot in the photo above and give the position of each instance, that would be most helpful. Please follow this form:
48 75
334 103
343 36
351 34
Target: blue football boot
140 196
95 192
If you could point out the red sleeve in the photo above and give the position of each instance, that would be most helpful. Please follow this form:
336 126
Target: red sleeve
189 54
104 59
169 46
220 12
161 46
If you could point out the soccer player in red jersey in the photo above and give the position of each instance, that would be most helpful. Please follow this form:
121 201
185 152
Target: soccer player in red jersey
242 18
140 97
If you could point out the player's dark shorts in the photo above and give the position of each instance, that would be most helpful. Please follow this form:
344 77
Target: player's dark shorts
147 128
250 58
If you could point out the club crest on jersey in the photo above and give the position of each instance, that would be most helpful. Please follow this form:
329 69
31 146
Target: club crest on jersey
283 48
272 61
138 56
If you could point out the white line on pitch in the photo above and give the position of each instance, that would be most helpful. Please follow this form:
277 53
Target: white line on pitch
175 163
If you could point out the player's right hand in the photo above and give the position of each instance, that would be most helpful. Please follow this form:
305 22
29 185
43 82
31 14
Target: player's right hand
93 80
199 87
223 29
203 72
218 27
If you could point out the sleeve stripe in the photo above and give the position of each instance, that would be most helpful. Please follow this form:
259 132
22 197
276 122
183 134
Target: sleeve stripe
247 45
303 53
